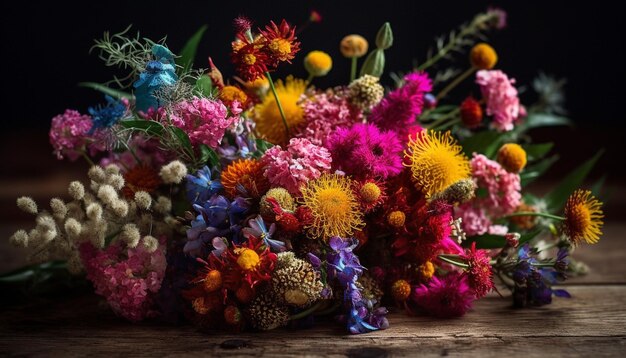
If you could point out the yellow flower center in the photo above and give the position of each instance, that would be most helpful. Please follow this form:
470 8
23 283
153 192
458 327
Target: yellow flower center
248 259
212 281
401 290
426 270
370 192
249 59
280 47
396 218
318 63
512 157
583 217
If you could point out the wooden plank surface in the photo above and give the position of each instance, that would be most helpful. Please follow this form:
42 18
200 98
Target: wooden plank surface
592 323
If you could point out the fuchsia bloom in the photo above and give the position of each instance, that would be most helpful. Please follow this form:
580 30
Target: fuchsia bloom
365 151
479 271
399 110
324 113
445 297
127 278
204 120
501 97
68 134
503 195
295 166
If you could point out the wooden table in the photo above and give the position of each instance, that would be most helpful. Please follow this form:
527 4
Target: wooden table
592 323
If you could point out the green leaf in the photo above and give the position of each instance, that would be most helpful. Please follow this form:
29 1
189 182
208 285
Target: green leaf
188 53
537 120
486 143
537 151
106 90
30 272
208 156
151 127
183 138
204 86
496 241
596 188
574 180
534 171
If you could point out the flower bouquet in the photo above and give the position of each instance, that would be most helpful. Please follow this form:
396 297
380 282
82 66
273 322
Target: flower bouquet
246 202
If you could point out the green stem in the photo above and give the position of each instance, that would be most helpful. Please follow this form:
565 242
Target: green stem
280 106
309 79
441 120
467 30
307 311
353 69
449 124
456 82
448 259
530 213
86 157
328 310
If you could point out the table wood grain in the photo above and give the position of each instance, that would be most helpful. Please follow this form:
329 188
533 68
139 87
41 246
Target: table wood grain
591 323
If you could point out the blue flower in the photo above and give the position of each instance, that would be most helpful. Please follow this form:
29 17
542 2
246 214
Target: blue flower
107 115
158 73
200 187
257 229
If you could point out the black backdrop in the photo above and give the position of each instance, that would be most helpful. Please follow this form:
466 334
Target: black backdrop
45 47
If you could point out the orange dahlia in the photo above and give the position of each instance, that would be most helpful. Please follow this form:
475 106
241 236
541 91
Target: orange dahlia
280 41
244 176
140 178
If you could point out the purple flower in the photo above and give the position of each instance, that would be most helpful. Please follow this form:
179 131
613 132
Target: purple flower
365 151
258 230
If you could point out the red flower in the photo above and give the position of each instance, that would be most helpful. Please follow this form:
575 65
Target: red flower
479 271
471 112
249 58
253 261
280 42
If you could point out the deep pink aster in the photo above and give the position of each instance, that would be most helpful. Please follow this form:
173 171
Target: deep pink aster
127 278
503 196
205 121
68 134
323 113
501 98
295 166
365 151
445 297
399 110
479 271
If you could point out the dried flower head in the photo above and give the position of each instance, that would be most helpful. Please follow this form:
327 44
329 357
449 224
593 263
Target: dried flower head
174 172
27 205
294 281
365 92
76 190
512 157
265 314
353 46
483 56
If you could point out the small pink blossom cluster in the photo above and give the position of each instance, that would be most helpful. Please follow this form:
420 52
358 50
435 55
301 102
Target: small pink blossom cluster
502 196
295 166
68 134
501 98
324 113
399 110
205 121
127 278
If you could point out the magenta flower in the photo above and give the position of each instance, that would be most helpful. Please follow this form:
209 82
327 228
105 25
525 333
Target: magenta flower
445 297
68 134
501 98
365 151
205 121
127 278
295 166
503 196
399 110
323 113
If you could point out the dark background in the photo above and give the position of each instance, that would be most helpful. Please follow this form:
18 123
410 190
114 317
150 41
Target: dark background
45 53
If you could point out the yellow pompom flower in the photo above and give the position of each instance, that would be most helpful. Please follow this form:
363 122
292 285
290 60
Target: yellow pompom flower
353 46
334 208
436 161
229 94
247 259
483 56
512 157
426 270
396 219
583 217
318 63
401 290
212 281
269 123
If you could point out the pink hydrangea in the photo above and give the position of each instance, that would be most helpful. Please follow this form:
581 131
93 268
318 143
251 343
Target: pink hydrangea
127 278
501 196
399 110
365 151
323 113
501 98
295 166
205 121
68 134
